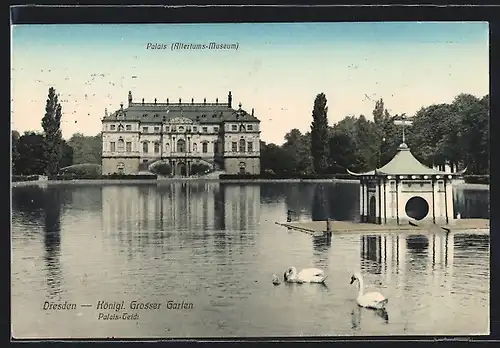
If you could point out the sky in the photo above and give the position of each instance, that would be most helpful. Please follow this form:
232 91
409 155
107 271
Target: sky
278 69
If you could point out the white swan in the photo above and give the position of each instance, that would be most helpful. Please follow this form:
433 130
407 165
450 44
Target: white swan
307 275
373 300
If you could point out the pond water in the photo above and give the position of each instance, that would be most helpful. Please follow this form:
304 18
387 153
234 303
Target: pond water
215 247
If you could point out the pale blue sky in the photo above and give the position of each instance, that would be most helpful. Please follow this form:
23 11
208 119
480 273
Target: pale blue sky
278 69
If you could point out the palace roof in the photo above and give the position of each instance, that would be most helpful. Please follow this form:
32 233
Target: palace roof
404 163
197 112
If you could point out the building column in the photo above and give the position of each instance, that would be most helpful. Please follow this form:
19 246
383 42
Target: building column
400 205
361 200
384 201
449 200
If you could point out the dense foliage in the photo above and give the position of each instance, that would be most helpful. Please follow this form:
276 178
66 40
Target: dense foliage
199 168
161 168
455 133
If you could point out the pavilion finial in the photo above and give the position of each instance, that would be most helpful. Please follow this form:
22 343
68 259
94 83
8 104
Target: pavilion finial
403 122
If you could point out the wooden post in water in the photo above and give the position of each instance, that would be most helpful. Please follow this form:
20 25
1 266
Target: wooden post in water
328 227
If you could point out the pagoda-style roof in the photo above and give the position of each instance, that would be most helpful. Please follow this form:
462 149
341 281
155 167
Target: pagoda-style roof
404 163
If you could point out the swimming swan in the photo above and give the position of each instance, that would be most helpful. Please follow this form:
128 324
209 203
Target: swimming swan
307 275
373 300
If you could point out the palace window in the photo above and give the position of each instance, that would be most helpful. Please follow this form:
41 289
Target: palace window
249 127
216 129
112 127
205 147
121 145
113 146
120 128
145 147
181 129
242 145
157 129
128 127
234 127
167 129
181 145
205 129
157 147
195 147
145 129
167 146
234 146
250 147
195 129
128 146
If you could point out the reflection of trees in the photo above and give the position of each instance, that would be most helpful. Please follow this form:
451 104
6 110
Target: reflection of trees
52 238
417 244
472 203
335 201
43 207
319 207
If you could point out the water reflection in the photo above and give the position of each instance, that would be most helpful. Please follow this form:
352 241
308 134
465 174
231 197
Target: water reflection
358 312
145 216
52 239
472 203
43 207
381 254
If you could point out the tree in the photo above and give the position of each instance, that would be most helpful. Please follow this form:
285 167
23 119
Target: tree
86 149
67 154
51 124
161 168
319 134
31 160
298 146
15 150
199 168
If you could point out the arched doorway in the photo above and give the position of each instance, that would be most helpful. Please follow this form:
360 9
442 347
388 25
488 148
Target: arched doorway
243 169
181 169
181 145
120 168
372 211
417 208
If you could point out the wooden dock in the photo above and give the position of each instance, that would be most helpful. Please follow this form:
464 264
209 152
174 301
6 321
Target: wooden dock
318 228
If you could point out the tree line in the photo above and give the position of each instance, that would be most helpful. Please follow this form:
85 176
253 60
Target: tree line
46 152
454 134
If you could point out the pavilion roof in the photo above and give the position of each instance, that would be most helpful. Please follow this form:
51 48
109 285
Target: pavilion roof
404 163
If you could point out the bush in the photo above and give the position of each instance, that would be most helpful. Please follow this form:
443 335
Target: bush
199 168
84 169
161 168
477 179
270 176
18 178
114 176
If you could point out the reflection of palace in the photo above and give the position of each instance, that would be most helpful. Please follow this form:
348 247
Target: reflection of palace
181 134
388 253
180 207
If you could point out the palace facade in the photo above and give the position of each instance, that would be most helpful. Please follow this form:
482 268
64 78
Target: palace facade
180 134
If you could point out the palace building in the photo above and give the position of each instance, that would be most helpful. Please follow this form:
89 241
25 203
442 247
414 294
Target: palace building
180 134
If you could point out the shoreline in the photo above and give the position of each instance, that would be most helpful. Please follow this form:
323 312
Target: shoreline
215 180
